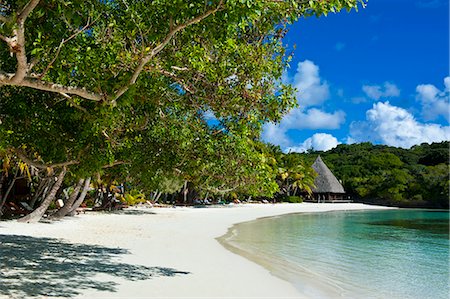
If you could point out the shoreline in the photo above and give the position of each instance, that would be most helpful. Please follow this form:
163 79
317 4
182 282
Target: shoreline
167 252
313 285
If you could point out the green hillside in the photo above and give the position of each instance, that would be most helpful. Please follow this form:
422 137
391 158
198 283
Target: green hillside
416 177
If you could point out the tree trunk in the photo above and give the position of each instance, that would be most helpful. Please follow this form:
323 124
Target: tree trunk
37 214
40 191
107 201
80 199
2 178
288 187
68 205
158 196
185 191
5 197
48 187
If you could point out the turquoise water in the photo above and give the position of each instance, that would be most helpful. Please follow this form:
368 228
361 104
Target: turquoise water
358 254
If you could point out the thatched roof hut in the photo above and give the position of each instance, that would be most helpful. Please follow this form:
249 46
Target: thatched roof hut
326 183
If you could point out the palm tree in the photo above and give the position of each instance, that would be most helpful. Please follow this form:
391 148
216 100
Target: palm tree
294 176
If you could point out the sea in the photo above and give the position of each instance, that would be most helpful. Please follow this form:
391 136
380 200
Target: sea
400 253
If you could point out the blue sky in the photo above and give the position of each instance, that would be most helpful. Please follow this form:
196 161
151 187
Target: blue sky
379 75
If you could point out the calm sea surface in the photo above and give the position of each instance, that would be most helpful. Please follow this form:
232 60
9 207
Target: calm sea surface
358 254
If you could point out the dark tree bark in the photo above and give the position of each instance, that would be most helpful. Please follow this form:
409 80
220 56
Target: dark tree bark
37 214
69 203
2 178
11 185
40 191
185 191
80 199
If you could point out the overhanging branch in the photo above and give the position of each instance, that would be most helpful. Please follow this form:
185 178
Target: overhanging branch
17 44
47 86
22 76
33 82
28 8
22 156
144 60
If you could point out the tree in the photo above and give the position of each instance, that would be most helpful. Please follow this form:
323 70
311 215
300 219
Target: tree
293 174
37 214
99 50
64 210
396 176
91 84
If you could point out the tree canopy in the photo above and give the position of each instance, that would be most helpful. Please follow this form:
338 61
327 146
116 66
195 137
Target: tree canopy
223 52
93 84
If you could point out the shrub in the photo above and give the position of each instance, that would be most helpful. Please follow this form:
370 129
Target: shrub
293 199
134 197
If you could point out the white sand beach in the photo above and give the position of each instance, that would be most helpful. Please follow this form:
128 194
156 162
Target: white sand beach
141 253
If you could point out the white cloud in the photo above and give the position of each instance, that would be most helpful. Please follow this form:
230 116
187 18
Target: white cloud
395 126
358 100
313 119
275 134
434 101
376 92
311 89
350 140
296 120
318 141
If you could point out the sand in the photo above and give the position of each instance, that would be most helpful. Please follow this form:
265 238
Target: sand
141 253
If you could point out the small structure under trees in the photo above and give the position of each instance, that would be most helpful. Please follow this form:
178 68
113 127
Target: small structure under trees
327 187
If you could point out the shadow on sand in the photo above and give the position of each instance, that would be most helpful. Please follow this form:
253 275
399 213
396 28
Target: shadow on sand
51 267
132 212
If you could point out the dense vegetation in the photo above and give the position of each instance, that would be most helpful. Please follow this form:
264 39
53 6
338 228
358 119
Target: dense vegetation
123 91
382 174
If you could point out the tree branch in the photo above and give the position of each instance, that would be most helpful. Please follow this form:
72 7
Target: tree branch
114 164
4 19
4 38
32 82
22 156
23 15
72 102
64 41
177 68
5 77
82 92
144 60
20 77
178 80
47 86
17 44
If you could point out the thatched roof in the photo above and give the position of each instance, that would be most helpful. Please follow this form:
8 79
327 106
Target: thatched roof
325 180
